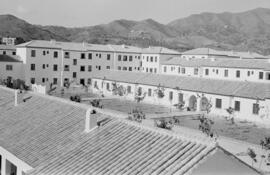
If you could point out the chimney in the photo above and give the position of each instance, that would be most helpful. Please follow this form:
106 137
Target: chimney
90 120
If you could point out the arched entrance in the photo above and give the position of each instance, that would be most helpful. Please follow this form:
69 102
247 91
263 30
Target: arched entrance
203 104
192 103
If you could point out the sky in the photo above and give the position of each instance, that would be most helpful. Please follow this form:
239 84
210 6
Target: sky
78 13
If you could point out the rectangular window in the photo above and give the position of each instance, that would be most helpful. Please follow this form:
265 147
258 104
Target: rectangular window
74 62
4 53
183 70
108 67
43 80
171 95
90 56
66 55
54 80
119 68
216 71
165 68
44 52
82 69
151 59
13 53
74 74
255 109
119 58
196 71
82 55
130 58
238 74
218 103
66 68
155 70
55 54
55 67
9 67
32 80
155 59
149 92
260 75
43 66
147 59
99 55
124 68
33 67
180 97
237 105
89 68
33 53
108 56
125 58
248 73
179 70
108 86
130 69
206 71
89 81
226 73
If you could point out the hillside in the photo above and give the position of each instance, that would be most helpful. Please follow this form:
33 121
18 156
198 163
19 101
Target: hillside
248 30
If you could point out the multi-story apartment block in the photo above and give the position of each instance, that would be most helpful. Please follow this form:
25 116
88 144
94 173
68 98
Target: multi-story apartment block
255 70
10 68
211 53
153 57
7 50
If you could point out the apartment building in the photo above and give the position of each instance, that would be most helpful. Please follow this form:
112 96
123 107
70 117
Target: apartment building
250 100
204 53
254 70
153 57
7 49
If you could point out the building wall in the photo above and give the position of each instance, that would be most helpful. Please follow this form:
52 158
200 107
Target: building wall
246 105
7 52
16 71
127 61
150 63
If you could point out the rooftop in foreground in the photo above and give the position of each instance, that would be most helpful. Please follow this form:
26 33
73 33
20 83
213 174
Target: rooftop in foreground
48 134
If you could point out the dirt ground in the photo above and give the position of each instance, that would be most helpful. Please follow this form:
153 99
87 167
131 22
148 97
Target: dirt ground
245 131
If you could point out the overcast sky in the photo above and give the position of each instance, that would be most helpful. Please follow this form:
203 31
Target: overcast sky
92 12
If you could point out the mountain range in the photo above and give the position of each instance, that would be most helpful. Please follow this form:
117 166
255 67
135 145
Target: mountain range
245 31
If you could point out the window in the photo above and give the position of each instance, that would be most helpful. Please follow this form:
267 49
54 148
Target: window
55 67
82 55
4 53
13 53
218 103
108 56
129 89
260 75
155 59
216 71
89 68
130 58
147 69
147 59
43 66
90 56
125 58
99 55
183 70
196 71
32 67
55 54
119 68
44 52
238 74
151 70
66 55
256 108
108 67
89 81
130 69
155 70
180 97
119 57
66 68
82 69
248 73
237 105
165 69
75 62
54 80
171 95
43 80
33 53
124 68
9 67
151 59
32 80
74 75
206 71
108 86
226 73
179 70
149 92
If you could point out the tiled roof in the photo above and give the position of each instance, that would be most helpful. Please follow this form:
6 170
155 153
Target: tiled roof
8 58
159 50
203 51
125 49
7 47
211 86
226 63
47 134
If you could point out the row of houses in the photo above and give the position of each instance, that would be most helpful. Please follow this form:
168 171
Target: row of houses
249 100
